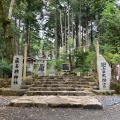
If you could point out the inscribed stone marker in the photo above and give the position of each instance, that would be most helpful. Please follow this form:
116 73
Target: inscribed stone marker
17 72
104 73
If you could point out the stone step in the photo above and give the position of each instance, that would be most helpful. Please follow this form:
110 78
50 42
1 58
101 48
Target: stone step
76 82
62 82
24 86
60 85
59 77
62 77
50 78
65 80
65 84
55 89
63 93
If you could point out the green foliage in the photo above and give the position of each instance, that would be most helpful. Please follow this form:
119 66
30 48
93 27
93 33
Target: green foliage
112 59
39 16
5 69
51 63
92 60
82 69
109 27
81 59
108 51
85 61
59 62
116 87
36 66
36 47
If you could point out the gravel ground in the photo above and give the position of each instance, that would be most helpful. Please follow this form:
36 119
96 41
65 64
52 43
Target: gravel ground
4 100
111 111
109 100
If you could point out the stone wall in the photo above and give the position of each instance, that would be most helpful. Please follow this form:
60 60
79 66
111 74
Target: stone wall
6 83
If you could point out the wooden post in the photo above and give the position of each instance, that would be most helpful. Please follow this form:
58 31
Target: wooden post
97 54
25 59
97 48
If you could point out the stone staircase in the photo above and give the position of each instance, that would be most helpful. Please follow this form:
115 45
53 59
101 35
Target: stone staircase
61 86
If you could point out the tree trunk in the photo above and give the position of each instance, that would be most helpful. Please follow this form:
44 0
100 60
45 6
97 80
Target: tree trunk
6 26
30 42
56 35
27 29
86 33
70 60
51 51
77 31
87 12
65 33
91 33
19 38
72 29
16 39
10 9
69 44
68 29
61 29
82 36
80 26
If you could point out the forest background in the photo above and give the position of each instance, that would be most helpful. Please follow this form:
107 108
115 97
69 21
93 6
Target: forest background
66 30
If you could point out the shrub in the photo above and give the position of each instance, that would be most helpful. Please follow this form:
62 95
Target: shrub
59 63
5 69
116 87
86 61
51 63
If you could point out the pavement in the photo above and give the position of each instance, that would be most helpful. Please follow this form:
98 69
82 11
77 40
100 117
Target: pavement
110 111
89 102
35 113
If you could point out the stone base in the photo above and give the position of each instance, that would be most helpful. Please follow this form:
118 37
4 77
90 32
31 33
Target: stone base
104 92
9 92
86 102
51 74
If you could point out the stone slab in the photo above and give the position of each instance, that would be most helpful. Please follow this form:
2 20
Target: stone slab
89 102
104 92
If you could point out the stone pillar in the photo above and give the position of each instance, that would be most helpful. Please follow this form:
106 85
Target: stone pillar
103 70
17 72
104 73
42 68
